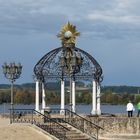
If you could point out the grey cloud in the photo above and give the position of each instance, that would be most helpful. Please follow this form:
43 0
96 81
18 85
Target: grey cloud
105 30
100 19
33 24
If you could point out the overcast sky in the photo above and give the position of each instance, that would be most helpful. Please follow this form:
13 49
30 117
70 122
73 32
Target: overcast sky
110 31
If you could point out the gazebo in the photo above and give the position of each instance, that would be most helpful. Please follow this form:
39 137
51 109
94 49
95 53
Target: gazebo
68 63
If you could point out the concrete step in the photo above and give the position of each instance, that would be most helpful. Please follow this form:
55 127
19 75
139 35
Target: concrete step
73 134
72 131
120 137
79 139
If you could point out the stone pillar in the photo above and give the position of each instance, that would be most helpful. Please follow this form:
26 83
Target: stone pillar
62 97
93 111
73 96
43 97
37 96
98 99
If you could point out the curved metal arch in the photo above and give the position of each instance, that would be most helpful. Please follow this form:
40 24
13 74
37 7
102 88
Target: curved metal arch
40 64
98 71
48 67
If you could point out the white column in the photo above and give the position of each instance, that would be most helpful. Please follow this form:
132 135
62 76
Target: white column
62 97
98 99
37 96
93 111
43 97
73 96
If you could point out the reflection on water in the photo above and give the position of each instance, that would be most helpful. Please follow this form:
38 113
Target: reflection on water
83 109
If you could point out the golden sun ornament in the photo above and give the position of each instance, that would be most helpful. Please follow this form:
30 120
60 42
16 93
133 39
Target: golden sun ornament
68 34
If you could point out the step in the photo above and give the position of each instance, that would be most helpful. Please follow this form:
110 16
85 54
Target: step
79 139
73 131
121 137
75 135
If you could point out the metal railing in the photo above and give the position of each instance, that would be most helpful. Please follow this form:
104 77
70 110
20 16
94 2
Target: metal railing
44 122
78 122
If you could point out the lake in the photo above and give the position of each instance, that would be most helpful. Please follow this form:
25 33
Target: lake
82 109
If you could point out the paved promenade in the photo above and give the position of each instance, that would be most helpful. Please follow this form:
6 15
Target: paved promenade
121 137
19 131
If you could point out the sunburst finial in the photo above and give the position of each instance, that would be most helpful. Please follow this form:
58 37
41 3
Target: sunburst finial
68 34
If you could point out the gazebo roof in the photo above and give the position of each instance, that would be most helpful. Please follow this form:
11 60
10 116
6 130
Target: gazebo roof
68 60
49 67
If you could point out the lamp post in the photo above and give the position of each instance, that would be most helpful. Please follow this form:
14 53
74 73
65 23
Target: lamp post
12 72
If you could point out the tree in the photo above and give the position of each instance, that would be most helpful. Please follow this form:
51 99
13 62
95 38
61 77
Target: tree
85 98
109 96
19 97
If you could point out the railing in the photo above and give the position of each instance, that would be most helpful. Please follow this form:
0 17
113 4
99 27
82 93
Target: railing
44 122
78 122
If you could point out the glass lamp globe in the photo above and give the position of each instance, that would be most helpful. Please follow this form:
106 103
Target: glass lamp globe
68 34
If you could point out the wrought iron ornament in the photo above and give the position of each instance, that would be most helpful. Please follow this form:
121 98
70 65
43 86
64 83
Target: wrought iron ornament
68 60
12 71
68 35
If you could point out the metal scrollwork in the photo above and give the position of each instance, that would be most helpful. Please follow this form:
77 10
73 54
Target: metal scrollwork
68 60
49 67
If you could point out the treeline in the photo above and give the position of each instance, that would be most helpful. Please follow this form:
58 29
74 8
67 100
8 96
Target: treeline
108 97
25 94
21 96
121 89
56 86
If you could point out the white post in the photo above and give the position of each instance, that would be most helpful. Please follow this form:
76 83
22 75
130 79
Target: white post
98 99
93 112
43 97
37 96
73 96
62 97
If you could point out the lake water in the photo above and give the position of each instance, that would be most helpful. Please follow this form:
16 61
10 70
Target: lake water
82 109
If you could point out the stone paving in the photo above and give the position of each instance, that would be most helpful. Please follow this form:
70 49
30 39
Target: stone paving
19 132
120 137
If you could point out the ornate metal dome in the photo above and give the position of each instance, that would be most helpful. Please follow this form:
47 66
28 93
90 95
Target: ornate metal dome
68 60
49 66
